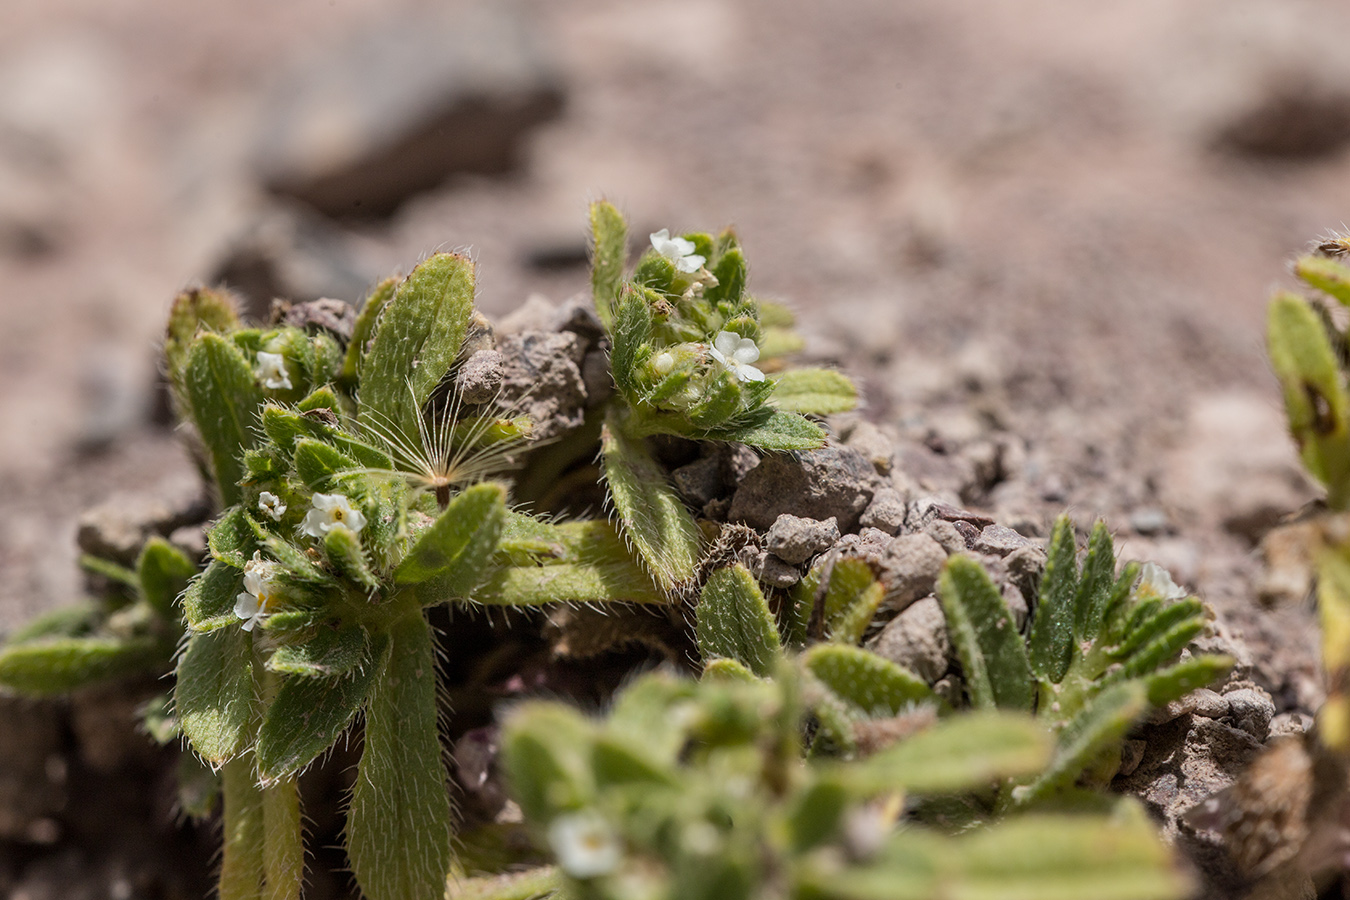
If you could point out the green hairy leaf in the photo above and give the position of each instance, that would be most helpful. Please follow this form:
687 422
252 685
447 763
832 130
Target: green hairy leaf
416 341
869 685
851 600
1314 392
1050 644
163 571
651 515
993 657
966 752
209 601
1102 724
1327 275
609 254
59 665
457 549
734 621
224 397
214 693
366 321
310 713
815 391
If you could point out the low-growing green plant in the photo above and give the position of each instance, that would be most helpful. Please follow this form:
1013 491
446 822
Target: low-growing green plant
1101 650
355 489
698 791
685 338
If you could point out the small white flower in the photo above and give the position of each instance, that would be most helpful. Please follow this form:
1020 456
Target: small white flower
331 510
677 250
1159 581
737 353
585 845
270 505
272 371
259 594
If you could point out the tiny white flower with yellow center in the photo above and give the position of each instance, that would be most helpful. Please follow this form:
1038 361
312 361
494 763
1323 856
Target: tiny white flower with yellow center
254 603
329 511
272 371
677 250
585 845
270 505
736 353
1159 581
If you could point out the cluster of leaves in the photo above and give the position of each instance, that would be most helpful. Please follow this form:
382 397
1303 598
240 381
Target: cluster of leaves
699 791
675 332
1101 650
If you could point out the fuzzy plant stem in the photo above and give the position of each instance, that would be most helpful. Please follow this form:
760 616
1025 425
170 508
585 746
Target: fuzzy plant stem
283 846
242 863
399 826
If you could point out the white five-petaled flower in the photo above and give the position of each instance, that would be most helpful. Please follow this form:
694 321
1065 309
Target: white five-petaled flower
677 250
737 353
329 511
1155 578
270 505
585 845
272 371
259 594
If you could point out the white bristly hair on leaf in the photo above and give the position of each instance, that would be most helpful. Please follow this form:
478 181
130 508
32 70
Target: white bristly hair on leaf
438 461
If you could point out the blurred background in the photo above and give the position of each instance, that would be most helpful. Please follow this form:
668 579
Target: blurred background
1041 234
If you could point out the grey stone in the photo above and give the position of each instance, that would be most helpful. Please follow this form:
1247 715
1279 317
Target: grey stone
1203 702
738 461
1295 116
772 570
946 535
997 540
290 252
795 539
335 316
869 440
1290 723
1186 761
1025 567
916 639
537 313
1251 710
1131 755
118 528
541 378
886 511
700 481
480 377
577 315
832 481
359 127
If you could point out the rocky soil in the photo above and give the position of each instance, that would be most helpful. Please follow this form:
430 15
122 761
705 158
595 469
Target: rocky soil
1040 236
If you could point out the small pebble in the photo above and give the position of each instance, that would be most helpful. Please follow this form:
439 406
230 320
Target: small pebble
795 539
